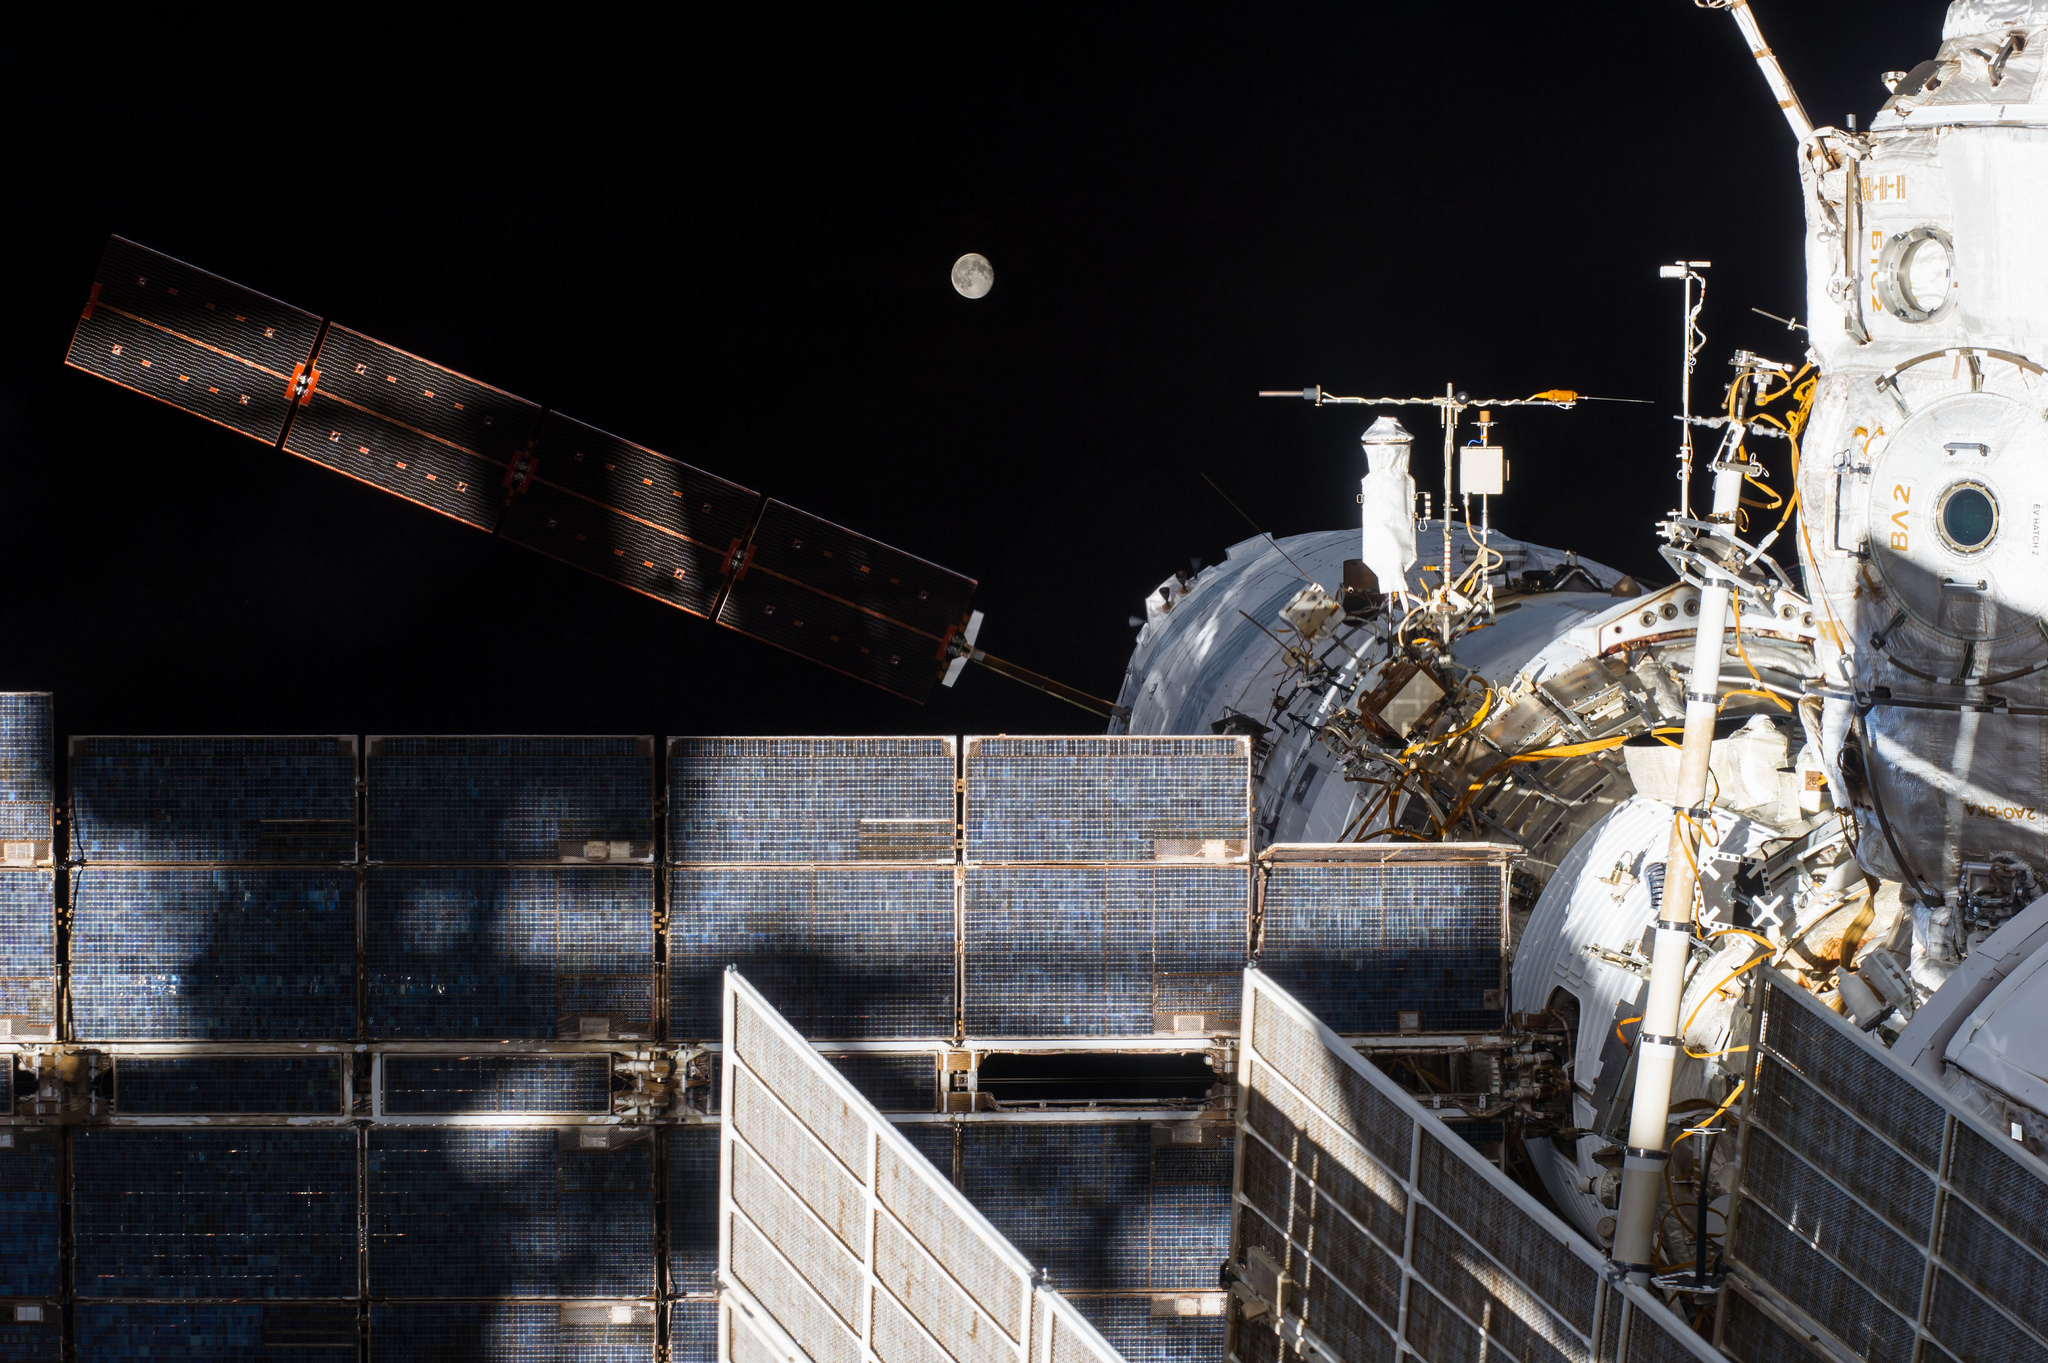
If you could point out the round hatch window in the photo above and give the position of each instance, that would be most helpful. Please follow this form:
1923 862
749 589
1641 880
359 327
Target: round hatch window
1968 517
1915 275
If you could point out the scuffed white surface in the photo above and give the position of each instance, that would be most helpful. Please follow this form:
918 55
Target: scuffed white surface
1969 17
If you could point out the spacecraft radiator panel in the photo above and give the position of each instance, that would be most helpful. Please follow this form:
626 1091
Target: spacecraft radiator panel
227 1086
213 800
1874 1210
510 799
1361 1220
1378 939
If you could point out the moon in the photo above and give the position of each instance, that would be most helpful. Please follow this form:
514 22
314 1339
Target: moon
973 276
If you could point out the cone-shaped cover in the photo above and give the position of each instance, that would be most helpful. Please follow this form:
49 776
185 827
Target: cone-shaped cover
1387 431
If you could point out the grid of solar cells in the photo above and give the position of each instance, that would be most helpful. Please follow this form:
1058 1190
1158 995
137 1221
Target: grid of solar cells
515 1332
509 952
416 1084
223 953
239 1332
27 759
28 1214
28 949
1037 800
1359 945
893 1083
483 1213
484 799
741 800
178 334
32 1341
1075 1199
237 1085
693 1331
1131 1328
848 953
214 799
1190 1212
1102 951
693 1210
249 1212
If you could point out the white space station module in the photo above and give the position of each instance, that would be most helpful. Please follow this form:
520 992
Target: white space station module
1870 816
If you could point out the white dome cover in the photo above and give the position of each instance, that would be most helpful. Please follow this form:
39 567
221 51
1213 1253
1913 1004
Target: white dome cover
1969 17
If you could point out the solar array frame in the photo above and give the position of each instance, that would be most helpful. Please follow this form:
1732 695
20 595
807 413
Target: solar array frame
1905 1220
1363 934
1392 1230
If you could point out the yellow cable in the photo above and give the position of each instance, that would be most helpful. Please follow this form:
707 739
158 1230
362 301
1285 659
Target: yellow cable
1733 1095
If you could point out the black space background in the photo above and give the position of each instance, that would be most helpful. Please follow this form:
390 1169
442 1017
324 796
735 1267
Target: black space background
728 238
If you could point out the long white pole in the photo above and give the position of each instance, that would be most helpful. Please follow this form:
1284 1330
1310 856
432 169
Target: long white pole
1774 75
1657 1044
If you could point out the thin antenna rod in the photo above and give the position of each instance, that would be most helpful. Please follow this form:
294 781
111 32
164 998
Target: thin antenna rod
1774 74
1255 529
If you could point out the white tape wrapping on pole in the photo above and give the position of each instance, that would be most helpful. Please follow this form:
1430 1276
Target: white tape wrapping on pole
1774 75
1642 1176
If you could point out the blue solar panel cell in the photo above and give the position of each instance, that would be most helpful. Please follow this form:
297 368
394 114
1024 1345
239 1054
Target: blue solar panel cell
893 1083
214 799
438 1084
189 953
1108 1207
741 800
1038 800
1103 951
223 1332
510 952
234 1085
28 1214
1361 944
484 1213
27 765
1139 1336
693 1209
514 1332
511 799
225 1213
693 1331
28 951
33 1337
847 953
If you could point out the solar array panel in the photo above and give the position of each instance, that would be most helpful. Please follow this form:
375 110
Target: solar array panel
511 799
744 800
28 786
459 1084
28 1213
1103 950
641 519
854 604
251 1212
165 953
476 1212
410 427
1153 1330
514 1332
221 1332
28 953
180 335
854 953
212 800
1391 1231
1033 801
693 1331
227 1085
1873 1209
1364 935
510 951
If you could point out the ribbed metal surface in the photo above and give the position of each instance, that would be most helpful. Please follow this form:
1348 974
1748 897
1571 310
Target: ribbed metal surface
28 950
490 799
497 952
1854 1174
27 759
511 1332
1103 951
487 1213
240 1085
28 1213
211 800
174 332
221 953
1039 800
460 1084
851 953
224 1332
240 1213
742 800
1360 945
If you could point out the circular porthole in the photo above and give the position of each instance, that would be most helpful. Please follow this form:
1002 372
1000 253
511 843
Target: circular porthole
1968 517
1916 276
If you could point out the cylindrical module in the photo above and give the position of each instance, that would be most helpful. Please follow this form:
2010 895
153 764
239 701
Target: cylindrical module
1642 1168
